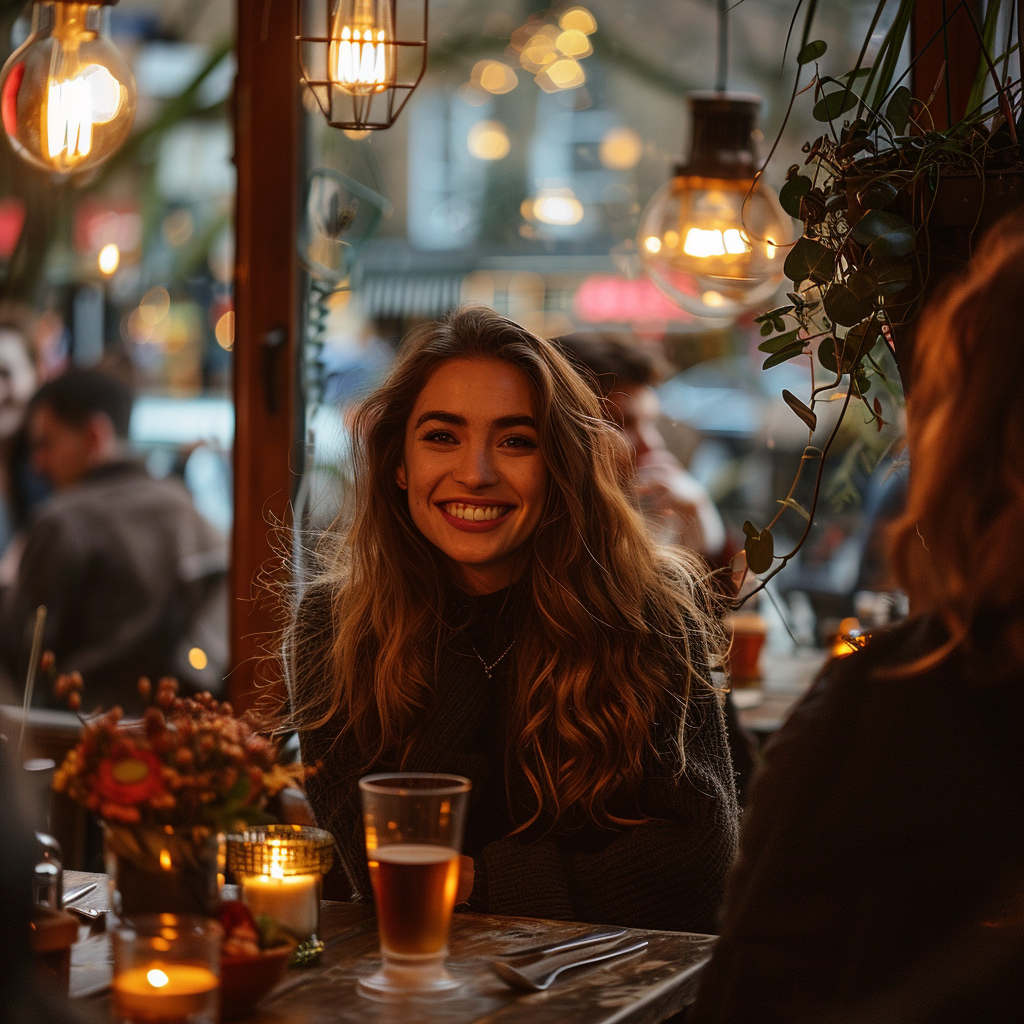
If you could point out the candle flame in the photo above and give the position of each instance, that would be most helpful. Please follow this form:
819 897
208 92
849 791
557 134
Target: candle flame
157 978
165 860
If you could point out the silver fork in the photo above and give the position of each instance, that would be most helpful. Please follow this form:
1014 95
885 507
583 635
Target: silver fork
538 983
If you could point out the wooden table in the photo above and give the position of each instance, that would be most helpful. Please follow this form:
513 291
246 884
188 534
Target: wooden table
785 679
645 988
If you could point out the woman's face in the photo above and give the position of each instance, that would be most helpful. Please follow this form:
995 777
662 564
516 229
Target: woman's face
472 466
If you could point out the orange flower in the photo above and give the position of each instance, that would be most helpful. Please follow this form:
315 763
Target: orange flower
130 778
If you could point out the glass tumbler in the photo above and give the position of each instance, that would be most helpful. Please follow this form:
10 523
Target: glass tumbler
166 969
414 824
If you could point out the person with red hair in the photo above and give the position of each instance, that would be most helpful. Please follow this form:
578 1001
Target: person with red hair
881 866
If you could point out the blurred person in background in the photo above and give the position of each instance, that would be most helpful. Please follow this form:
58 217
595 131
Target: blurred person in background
675 503
132 576
20 488
676 506
881 867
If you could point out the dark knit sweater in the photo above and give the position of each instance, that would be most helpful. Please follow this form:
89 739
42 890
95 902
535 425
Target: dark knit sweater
666 873
881 867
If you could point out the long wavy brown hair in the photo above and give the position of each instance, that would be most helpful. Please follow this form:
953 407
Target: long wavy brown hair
958 549
618 631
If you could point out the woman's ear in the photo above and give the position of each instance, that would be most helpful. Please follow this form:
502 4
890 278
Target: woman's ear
400 477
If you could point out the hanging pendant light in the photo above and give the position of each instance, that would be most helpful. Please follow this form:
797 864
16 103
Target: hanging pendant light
67 95
368 58
710 238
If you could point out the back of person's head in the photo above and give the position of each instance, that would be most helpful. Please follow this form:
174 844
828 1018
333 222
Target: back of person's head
960 544
614 360
77 395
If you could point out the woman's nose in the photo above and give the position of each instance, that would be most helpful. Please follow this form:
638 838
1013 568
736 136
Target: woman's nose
476 468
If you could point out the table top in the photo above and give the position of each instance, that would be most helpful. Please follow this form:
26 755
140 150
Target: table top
785 678
644 988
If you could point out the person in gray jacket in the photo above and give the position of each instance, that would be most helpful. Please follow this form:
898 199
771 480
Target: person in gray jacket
131 575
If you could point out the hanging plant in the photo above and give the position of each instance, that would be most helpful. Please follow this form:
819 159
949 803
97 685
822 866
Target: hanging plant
889 204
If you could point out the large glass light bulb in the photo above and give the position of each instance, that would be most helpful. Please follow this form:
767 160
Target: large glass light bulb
361 56
709 242
710 248
67 96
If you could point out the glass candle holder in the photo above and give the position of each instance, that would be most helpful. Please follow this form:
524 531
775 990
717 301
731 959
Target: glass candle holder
166 969
280 869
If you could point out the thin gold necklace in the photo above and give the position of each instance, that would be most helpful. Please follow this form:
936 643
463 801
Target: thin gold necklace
488 669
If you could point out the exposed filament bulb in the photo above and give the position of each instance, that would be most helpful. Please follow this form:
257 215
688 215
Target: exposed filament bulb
67 96
359 58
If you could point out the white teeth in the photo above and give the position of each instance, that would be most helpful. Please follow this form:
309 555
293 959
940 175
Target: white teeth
474 513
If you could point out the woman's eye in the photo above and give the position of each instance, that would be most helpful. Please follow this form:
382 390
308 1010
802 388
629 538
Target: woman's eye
440 436
519 442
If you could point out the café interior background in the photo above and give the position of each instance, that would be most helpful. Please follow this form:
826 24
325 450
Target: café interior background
490 188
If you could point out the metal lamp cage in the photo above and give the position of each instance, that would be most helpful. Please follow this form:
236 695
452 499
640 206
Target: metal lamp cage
407 55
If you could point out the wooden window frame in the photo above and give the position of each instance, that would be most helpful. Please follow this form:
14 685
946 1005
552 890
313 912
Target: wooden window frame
268 409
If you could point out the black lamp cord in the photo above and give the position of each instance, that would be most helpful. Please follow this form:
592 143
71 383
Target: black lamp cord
722 65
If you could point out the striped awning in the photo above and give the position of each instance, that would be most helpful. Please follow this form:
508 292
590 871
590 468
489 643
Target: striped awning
404 294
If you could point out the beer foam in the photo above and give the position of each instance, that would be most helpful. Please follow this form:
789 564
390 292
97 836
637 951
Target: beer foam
414 853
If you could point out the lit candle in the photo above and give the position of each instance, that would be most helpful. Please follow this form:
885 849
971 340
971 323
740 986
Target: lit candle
291 900
279 868
164 992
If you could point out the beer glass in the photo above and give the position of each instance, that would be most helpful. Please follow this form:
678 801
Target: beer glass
414 823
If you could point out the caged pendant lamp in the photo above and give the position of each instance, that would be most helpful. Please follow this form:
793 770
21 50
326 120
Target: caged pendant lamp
362 59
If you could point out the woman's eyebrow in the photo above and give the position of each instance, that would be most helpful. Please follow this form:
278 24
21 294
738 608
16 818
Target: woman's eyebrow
444 417
502 422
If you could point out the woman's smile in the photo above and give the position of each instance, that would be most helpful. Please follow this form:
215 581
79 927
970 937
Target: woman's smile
473 470
478 516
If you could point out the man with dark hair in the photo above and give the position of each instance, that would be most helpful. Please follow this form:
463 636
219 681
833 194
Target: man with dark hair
676 505
132 576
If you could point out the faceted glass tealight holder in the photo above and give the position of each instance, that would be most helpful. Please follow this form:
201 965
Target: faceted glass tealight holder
280 869
166 969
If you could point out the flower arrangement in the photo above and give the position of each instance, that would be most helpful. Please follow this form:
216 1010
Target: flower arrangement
189 762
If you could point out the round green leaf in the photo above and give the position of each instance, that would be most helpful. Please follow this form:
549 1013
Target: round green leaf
885 235
844 307
792 192
827 355
830 106
809 258
863 284
760 551
811 52
861 339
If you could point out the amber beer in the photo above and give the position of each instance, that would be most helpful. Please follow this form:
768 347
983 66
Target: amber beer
413 823
414 885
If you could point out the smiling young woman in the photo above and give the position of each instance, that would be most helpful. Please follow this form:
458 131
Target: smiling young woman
490 605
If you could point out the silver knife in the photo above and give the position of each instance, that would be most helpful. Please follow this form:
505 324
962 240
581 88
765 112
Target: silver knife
78 892
605 935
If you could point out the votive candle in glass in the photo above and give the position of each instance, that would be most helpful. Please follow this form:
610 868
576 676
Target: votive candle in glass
280 869
166 969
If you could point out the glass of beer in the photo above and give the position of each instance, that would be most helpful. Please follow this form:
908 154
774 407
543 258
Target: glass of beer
413 823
